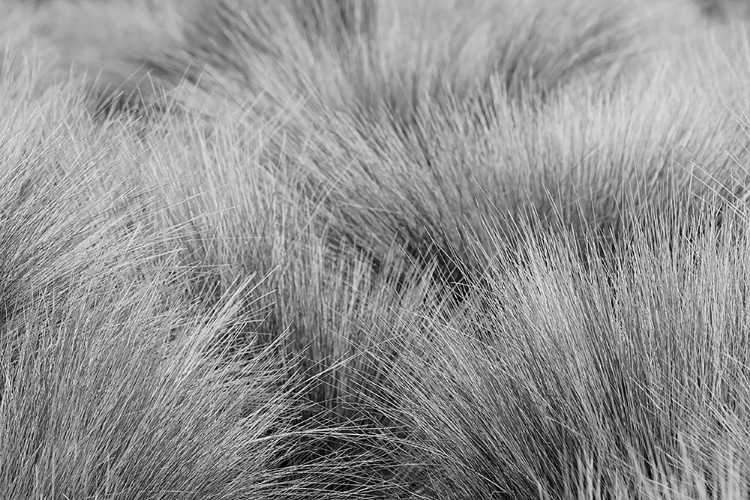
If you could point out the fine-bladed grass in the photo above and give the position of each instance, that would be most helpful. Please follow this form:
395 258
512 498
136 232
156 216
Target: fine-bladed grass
455 249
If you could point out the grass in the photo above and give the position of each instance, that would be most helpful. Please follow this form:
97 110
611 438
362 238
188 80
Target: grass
431 250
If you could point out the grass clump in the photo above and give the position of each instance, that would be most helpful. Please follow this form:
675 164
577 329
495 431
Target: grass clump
364 249
560 380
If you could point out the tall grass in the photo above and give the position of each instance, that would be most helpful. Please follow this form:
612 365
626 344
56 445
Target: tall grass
372 250
555 365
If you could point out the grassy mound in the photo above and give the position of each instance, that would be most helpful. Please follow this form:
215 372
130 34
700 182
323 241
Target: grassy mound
454 249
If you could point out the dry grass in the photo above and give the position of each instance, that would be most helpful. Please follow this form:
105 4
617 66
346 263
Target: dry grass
429 250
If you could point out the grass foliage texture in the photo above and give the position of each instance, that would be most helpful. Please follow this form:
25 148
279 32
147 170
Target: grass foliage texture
444 249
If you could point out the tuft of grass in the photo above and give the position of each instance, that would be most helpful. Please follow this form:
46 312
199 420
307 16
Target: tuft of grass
436 250
554 371
88 379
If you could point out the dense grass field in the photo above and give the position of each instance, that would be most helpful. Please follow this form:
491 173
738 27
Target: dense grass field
342 249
